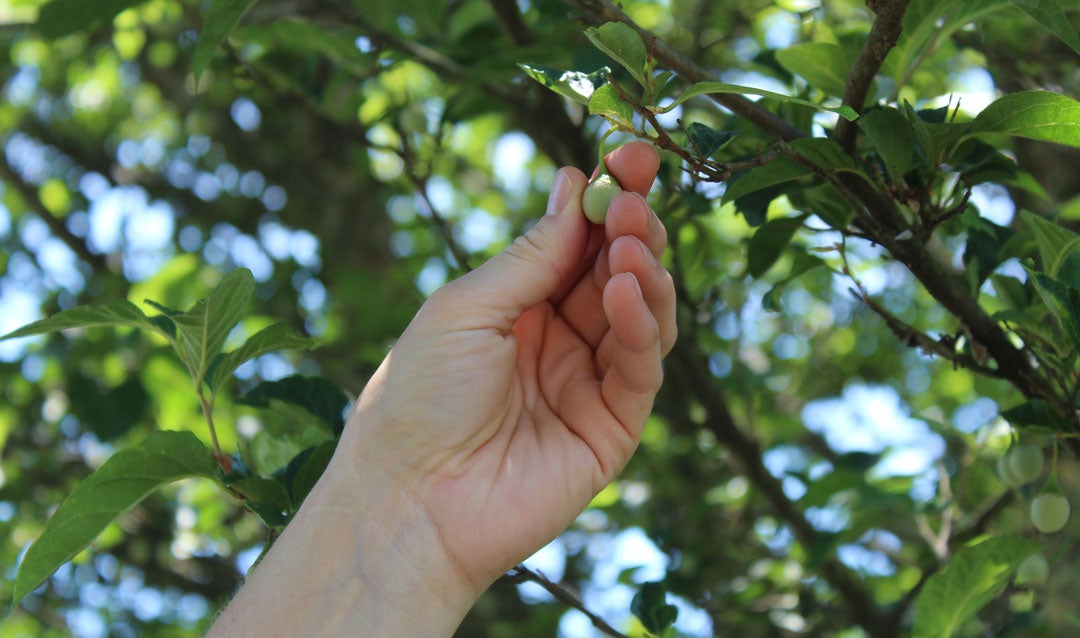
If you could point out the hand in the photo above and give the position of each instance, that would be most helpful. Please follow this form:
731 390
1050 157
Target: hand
515 395
521 389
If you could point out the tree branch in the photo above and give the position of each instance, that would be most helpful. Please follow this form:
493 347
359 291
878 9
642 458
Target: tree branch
56 225
521 574
601 11
719 420
883 36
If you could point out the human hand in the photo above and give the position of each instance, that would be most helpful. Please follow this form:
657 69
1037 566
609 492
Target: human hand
521 389
514 396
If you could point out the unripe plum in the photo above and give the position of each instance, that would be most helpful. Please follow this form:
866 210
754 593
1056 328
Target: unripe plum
1025 463
1049 512
597 197
1033 571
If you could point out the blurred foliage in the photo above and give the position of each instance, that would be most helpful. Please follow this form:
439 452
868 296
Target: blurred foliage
827 435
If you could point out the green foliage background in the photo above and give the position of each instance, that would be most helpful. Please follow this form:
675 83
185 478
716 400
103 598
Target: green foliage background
355 155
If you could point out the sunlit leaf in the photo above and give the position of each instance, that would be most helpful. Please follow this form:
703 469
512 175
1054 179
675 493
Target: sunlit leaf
110 313
206 325
576 85
971 579
1039 115
623 45
606 101
121 482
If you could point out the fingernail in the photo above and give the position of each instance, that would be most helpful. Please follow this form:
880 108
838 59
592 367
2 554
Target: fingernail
637 285
560 193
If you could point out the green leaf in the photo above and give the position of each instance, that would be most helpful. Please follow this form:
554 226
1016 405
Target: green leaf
984 250
1049 14
650 606
108 412
315 395
1037 414
274 337
1039 115
971 579
1054 242
824 201
801 263
120 483
266 497
890 133
606 101
755 206
823 152
64 17
779 170
706 140
928 23
576 85
825 66
769 242
309 467
623 45
218 21
206 325
705 88
1064 304
110 313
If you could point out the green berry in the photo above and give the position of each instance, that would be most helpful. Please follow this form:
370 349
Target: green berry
1033 571
1049 512
1005 472
597 197
1025 463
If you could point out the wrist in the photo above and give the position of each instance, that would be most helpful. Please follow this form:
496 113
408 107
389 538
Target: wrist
359 558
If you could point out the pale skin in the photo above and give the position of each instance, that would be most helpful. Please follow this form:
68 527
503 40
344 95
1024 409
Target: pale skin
515 395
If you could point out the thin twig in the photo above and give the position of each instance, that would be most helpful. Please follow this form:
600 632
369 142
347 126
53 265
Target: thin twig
521 574
600 11
55 224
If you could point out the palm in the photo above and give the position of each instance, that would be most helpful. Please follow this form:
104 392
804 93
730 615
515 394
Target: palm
551 445
508 412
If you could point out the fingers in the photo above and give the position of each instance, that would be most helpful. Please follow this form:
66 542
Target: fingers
629 255
634 376
629 220
634 164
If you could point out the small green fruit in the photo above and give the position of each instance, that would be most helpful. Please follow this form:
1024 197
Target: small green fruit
1025 463
1033 571
597 197
1049 512
1005 472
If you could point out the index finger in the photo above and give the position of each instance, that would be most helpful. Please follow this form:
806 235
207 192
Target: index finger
634 165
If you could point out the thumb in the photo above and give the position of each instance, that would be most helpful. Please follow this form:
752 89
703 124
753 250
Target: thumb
532 269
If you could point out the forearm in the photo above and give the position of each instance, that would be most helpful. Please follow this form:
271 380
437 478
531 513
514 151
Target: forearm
353 562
